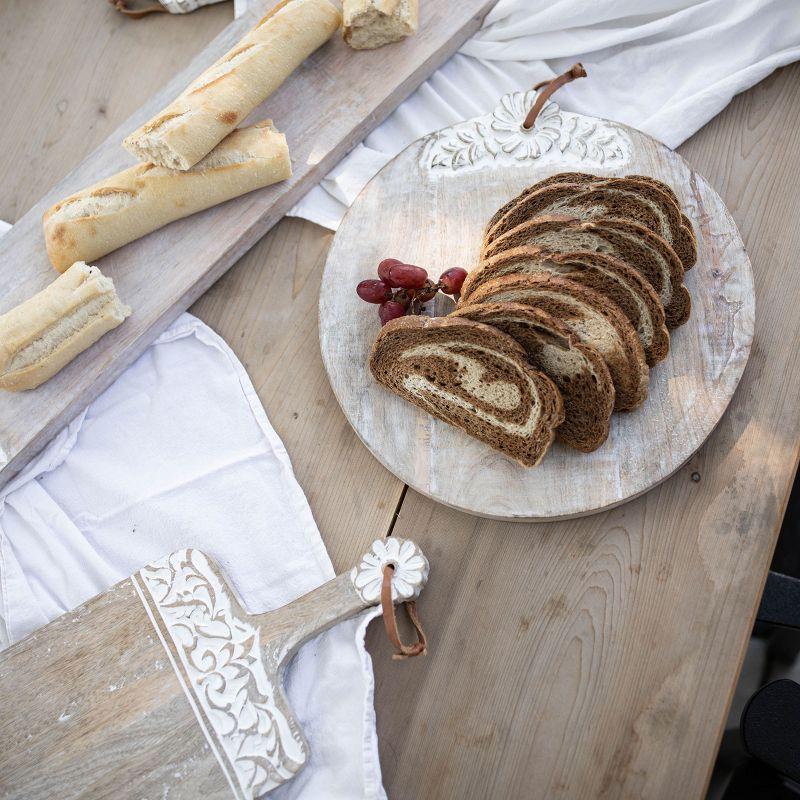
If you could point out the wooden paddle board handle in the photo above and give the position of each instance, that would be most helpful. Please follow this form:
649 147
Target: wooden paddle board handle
345 596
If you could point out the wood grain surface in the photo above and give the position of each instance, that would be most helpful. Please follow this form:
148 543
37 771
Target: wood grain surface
633 622
688 391
326 107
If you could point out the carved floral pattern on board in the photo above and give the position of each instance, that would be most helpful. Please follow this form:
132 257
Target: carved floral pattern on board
221 654
499 138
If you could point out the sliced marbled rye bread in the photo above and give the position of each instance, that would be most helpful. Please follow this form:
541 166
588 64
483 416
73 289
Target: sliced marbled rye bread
590 196
585 177
631 243
593 318
472 376
605 274
577 369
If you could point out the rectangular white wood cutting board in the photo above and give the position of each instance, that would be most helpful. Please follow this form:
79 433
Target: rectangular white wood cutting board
325 108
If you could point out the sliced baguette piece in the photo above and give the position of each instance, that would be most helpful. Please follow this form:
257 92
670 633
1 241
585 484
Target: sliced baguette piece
472 376
373 23
42 335
593 318
577 369
620 197
674 226
631 243
141 199
605 274
221 97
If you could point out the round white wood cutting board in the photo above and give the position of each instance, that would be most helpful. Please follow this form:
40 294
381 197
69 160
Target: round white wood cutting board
428 207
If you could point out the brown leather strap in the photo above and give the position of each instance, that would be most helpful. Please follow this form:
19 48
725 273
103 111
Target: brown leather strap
121 6
548 87
420 647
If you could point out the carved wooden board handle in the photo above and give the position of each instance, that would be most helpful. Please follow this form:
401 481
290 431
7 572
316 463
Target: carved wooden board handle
230 663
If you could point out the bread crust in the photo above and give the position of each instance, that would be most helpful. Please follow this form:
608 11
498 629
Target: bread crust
230 89
577 369
397 357
607 275
650 255
575 306
103 217
42 335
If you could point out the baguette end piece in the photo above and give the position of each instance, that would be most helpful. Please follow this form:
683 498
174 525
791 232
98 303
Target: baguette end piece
369 24
43 334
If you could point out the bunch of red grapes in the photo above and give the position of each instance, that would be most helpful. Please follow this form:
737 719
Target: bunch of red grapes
403 288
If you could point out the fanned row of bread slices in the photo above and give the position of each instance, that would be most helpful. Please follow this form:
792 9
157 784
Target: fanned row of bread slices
579 282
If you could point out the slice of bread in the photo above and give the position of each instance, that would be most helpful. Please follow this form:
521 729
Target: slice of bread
672 224
472 376
605 274
577 369
594 319
591 196
638 247
587 177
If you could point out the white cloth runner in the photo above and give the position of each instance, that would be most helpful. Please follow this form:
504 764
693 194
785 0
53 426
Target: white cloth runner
178 452
664 66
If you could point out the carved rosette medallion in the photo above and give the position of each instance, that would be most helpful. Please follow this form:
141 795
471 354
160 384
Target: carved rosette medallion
411 570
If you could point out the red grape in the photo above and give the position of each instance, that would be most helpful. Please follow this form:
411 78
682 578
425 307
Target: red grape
390 310
451 280
383 270
374 291
408 276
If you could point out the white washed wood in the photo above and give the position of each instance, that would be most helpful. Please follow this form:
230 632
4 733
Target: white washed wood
428 207
164 685
328 105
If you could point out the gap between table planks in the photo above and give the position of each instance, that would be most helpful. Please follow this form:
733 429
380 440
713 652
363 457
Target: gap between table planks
461 722
325 108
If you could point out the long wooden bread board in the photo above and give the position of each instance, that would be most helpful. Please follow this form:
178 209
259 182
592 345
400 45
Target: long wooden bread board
326 107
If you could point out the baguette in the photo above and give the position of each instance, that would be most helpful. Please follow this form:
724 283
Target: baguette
42 335
143 198
217 101
373 23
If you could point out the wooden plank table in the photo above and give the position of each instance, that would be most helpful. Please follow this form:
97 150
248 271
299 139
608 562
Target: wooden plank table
589 658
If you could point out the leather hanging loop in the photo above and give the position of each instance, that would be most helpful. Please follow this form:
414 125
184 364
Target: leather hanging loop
547 89
121 6
420 647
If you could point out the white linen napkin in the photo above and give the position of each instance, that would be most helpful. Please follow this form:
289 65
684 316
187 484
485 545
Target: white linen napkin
178 452
664 66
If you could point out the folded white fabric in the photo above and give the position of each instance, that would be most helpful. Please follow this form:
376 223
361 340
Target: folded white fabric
178 452
664 66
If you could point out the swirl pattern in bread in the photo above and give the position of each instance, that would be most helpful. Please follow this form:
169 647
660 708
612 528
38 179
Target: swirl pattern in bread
624 198
628 241
577 369
472 376
605 274
595 320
